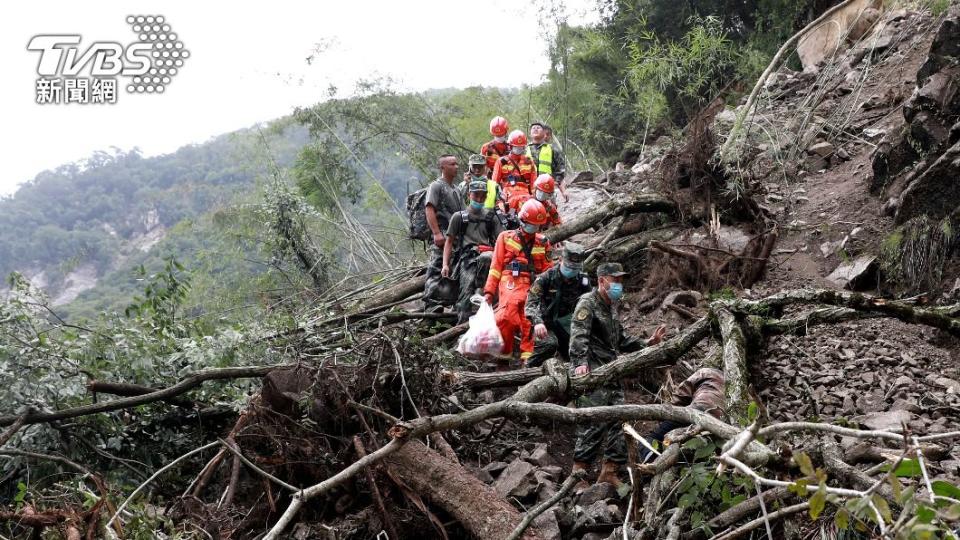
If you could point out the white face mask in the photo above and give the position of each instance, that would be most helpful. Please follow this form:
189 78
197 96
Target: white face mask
544 196
516 150
500 139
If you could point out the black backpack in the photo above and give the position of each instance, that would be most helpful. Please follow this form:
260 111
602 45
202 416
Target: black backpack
417 214
465 218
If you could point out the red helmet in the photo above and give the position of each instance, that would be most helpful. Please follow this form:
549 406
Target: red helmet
545 183
499 126
517 138
533 212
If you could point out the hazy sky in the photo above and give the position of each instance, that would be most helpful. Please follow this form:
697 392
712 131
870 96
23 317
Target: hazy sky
248 64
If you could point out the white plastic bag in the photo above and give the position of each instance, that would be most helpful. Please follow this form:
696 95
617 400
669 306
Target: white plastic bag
483 337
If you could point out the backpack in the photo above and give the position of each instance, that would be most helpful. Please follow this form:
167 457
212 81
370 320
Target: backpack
417 214
465 219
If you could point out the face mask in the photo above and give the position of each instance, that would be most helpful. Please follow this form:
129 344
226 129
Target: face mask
529 229
567 272
476 205
615 291
516 150
500 139
543 196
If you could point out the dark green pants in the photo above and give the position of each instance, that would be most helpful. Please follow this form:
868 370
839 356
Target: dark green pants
470 269
604 438
556 343
434 265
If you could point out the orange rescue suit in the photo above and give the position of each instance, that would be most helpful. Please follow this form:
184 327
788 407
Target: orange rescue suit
553 215
493 151
515 175
511 273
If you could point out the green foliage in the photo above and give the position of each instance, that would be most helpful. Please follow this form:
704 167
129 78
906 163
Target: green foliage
649 65
701 493
323 175
163 295
689 71
939 7
920 517
396 135
913 256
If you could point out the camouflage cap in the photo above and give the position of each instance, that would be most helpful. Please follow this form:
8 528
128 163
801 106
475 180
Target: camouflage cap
477 185
476 159
573 254
610 269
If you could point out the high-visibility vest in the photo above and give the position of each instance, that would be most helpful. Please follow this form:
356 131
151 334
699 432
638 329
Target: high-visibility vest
544 160
491 200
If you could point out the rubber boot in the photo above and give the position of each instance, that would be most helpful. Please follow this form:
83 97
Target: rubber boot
582 484
609 474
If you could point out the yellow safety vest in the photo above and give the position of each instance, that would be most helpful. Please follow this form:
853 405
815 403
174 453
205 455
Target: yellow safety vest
544 160
491 200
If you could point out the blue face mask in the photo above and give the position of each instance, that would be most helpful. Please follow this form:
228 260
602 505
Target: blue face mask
529 229
568 273
615 291
476 205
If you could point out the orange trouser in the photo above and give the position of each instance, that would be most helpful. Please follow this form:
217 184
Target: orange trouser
510 317
516 196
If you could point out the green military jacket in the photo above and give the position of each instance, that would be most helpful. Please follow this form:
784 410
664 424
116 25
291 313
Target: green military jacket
553 297
596 335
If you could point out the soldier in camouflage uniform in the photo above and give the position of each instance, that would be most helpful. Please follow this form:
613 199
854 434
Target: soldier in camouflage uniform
442 201
702 391
471 233
596 338
550 304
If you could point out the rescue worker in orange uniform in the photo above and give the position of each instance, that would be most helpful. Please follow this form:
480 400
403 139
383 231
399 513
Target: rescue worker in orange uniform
494 149
544 190
518 257
515 173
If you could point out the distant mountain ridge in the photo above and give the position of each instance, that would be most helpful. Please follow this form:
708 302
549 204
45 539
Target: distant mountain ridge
70 226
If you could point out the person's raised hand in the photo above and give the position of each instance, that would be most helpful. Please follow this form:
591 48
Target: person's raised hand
657 336
540 331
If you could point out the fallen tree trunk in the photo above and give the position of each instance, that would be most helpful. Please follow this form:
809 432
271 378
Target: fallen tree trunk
128 390
481 511
499 379
937 317
625 366
735 372
620 205
398 292
446 335
628 246
188 383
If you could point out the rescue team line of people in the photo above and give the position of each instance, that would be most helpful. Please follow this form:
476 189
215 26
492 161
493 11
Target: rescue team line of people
487 240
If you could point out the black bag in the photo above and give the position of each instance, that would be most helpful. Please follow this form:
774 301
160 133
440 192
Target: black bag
417 214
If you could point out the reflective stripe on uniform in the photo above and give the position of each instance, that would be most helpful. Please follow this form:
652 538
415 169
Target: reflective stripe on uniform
538 251
513 244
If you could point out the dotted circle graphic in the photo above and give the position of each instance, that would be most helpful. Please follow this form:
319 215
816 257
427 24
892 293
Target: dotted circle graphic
166 51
